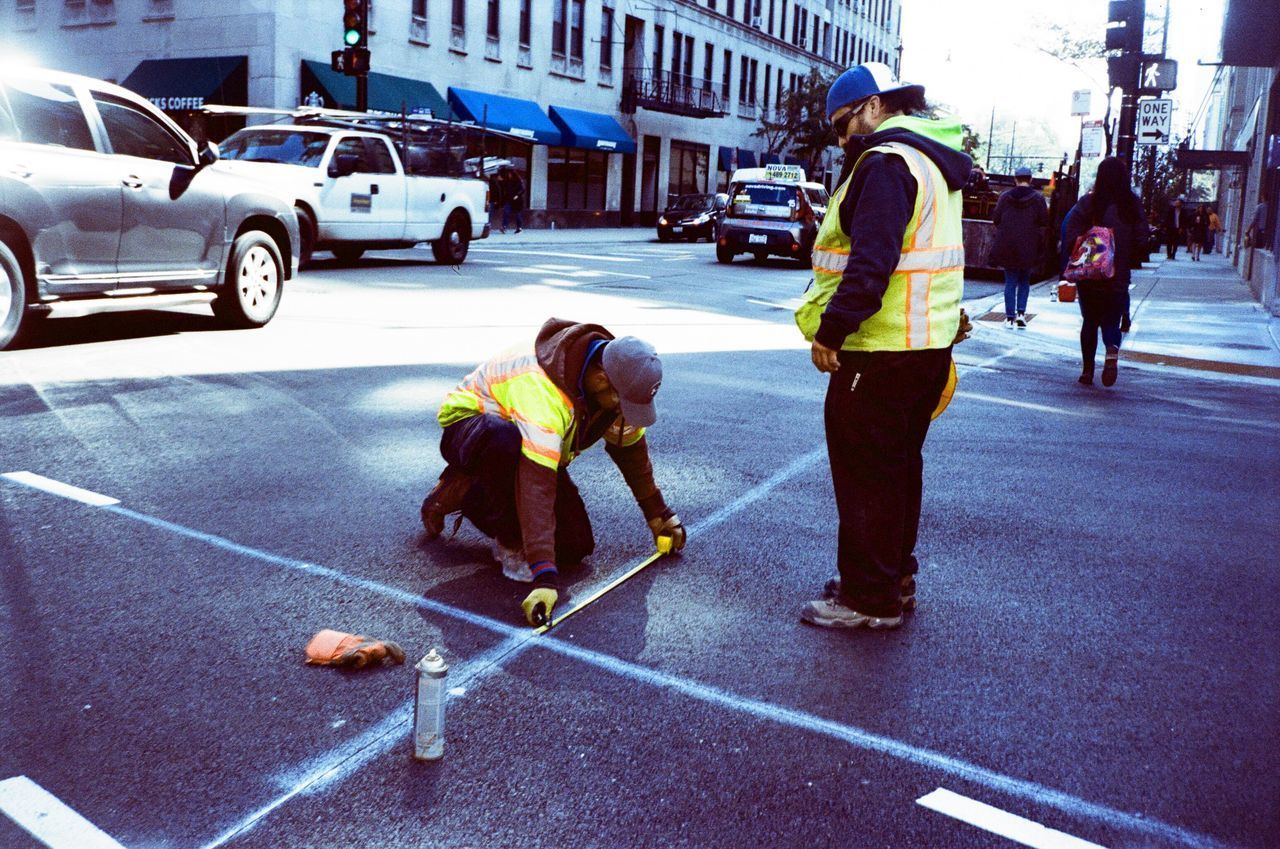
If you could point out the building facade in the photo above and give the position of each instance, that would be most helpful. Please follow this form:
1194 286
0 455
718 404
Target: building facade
608 107
1248 124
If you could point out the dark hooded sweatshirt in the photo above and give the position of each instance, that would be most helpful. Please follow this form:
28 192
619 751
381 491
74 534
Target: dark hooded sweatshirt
876 210
1020 218
564 349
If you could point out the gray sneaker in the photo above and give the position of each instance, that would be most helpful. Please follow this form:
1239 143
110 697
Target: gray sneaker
830 613
906 591
514 565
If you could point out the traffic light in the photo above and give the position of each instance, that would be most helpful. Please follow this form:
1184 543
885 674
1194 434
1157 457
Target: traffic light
355 61
1125 20
355 23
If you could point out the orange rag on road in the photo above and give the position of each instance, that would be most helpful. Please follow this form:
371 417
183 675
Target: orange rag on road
334 648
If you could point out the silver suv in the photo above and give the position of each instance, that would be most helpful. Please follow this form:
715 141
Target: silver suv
102 197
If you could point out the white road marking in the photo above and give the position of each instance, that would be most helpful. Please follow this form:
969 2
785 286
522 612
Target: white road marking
45 817
518 639
66 490
1016 828
1027 405
562 255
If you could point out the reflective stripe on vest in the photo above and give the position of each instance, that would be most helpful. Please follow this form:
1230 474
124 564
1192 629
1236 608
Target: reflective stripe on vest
514 386
921 307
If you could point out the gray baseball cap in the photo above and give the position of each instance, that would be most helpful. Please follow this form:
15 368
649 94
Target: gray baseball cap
633 367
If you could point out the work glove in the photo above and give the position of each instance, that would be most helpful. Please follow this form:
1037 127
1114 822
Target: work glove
334 648
965 328
538 604
668 531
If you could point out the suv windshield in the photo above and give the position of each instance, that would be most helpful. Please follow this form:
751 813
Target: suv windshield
693 203
290 147
764 200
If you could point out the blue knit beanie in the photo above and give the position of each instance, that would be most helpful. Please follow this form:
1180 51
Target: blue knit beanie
861 82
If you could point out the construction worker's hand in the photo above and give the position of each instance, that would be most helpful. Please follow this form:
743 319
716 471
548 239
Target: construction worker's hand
538 605
335 648
668 527
966 327
824 358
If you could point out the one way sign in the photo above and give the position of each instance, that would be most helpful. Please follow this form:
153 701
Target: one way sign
1155 121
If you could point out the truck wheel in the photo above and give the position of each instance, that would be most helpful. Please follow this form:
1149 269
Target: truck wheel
451 247
348 254
13 298
307 238
251 293
724 254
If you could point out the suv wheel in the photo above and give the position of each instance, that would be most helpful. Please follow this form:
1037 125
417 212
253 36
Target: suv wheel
251 293
347 254
13 297
724 254
451 247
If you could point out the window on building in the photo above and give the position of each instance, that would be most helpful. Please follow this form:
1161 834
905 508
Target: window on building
743 79
729 8
659 43
768 75
577 48
795 25
491 25
689 168
677 55
782 21
576 178
606 38
557 27
751 88
769 29
459 15
419 10
526 25
728 75
708 66
826 40
25 5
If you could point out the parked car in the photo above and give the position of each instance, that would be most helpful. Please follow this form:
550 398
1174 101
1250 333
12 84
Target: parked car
102 196
358 184
770 212
693 217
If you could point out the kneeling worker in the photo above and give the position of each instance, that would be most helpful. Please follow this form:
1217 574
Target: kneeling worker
513 426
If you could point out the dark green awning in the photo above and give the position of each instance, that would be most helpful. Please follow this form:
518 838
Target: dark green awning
323 86
177 84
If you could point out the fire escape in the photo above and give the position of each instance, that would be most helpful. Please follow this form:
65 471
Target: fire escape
677 94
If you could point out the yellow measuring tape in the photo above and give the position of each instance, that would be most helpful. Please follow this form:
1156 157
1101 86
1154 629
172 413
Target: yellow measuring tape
664 547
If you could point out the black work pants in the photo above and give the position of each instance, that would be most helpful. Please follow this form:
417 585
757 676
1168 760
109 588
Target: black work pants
877 414
487 447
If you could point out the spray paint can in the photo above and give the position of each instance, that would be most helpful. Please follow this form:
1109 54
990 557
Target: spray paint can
428 708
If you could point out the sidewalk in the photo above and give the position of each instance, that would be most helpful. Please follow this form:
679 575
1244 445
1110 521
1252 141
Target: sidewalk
1192 315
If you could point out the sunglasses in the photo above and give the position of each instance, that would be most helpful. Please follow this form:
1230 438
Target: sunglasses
841 124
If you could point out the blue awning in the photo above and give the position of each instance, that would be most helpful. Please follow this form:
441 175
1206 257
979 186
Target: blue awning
591 130
508 115
770 159
746 158
323 86
726 159
178 84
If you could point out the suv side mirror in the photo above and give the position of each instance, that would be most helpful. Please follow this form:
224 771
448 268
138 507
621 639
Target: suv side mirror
722 201
343 165
208 155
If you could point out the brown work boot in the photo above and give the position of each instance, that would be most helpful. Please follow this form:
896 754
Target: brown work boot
445 498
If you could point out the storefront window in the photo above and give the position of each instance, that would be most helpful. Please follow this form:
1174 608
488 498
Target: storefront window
689 166
576 178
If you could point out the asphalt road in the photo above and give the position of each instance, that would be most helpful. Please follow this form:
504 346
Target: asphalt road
1094 652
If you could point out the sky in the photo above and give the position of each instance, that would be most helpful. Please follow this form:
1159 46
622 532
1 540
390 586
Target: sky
982 54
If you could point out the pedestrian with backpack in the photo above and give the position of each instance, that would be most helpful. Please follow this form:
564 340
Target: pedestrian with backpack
1103 230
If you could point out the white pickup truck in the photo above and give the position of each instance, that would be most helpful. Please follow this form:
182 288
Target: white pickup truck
353 192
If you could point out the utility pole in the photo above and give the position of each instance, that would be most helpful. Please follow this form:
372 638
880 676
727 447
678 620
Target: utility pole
1125 22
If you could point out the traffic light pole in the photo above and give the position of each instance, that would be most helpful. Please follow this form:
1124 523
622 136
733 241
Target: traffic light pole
1128 122
362 93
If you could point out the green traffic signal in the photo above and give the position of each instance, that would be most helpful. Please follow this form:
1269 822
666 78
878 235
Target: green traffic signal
352 37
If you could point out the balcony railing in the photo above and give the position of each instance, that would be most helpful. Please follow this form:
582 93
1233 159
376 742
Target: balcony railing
678 94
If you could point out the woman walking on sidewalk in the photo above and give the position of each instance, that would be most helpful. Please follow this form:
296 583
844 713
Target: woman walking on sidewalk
1112 204
1197 232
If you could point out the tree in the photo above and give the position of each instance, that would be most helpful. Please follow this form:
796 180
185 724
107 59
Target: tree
800 123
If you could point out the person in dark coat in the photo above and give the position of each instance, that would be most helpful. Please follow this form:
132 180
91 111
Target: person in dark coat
1020 218
1175 222
1197 232
512 197
1111 203
497 192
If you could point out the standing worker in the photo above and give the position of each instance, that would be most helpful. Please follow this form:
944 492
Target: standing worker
1175 221
512 427
1020 218
882 313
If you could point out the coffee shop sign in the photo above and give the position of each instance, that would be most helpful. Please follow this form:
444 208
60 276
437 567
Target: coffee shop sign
177 104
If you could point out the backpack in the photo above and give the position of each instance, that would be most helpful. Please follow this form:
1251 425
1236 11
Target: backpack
1093 257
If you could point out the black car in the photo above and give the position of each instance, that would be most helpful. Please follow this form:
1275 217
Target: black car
693 217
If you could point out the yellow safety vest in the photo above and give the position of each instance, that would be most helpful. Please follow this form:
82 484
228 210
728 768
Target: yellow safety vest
514 386
921 307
